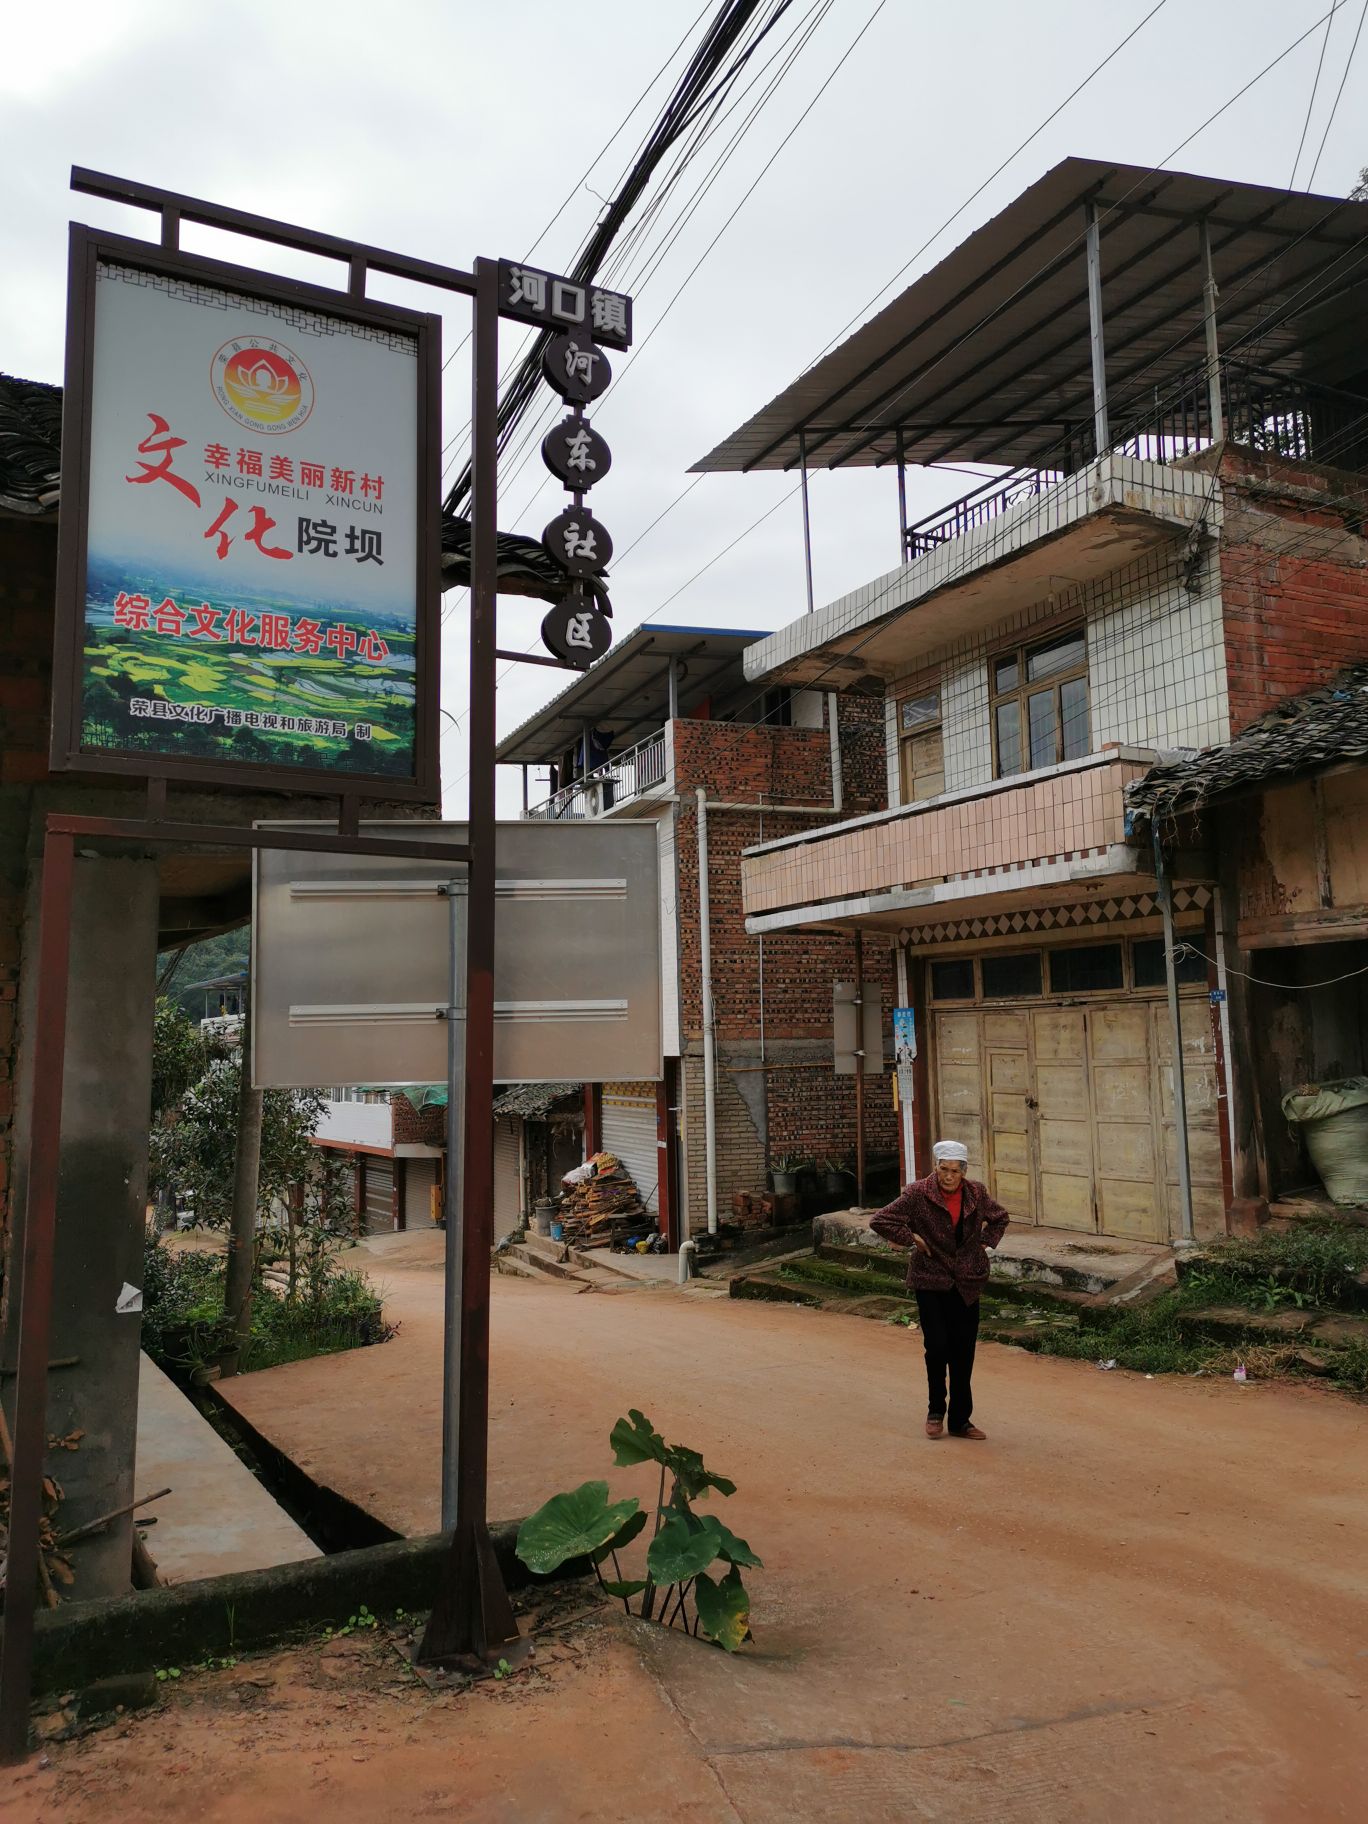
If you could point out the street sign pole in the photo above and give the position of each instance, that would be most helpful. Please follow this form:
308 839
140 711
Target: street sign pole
456 895
472 1617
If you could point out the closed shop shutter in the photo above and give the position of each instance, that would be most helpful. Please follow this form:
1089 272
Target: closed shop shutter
507 1183
379 1211
629 1130
420 1178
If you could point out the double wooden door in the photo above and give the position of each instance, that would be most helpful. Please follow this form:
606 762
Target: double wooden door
1068 1111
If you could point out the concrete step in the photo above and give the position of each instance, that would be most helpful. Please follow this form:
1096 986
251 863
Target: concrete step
1236 1324
583 1261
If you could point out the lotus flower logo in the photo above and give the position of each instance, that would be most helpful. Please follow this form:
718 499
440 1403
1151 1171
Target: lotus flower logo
265 388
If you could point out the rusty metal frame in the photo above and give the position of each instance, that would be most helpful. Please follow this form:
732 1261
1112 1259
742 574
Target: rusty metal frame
88 249
472 1617
32 1296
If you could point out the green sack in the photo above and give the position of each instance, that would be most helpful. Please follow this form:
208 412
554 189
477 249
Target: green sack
1333 1118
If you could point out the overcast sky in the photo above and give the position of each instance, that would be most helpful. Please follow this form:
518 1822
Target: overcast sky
451 128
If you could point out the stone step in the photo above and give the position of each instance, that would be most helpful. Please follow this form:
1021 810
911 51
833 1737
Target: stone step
1236 1324
582 1260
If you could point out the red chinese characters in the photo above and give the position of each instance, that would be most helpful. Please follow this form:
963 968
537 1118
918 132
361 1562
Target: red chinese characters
237 627
162 443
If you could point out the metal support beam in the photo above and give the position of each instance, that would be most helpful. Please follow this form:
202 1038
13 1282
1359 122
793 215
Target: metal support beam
1180 1126
807 526
472 1618
859 1071
672 690
458 900
1213 348
902 499
1101 431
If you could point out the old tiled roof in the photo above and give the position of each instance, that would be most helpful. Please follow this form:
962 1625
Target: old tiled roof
30 445
533 1101
1300 735
30 476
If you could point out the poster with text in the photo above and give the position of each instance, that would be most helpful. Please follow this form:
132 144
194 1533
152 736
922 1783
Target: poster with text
252 580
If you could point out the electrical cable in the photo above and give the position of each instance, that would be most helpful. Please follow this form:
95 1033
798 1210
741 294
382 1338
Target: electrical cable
1210 119
1320 65
1035 134
1334 108
1183 949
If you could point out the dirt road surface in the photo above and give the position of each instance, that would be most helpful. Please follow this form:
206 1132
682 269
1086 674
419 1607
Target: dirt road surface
1140 1599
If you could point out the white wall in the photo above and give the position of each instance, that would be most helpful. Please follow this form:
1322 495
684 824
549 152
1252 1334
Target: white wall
1156 666
356 1123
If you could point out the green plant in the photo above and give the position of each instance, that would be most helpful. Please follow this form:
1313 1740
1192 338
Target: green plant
789 1163
684 1545
184 1325
503 1669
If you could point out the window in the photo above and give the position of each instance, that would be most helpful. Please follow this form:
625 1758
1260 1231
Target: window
1005 978
1147 964
921 753
953 981
1088 968
1040 704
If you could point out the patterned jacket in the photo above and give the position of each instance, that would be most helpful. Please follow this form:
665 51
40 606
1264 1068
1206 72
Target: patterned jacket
958 1260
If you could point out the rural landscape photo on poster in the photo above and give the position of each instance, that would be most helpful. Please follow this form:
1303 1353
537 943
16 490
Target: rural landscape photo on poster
252 578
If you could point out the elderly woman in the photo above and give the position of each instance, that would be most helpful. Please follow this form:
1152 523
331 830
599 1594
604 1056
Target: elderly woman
948 1220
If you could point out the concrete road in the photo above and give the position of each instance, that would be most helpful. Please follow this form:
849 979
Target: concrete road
1140 1599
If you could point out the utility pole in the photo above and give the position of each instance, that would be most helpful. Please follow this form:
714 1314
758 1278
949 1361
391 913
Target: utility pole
859 1071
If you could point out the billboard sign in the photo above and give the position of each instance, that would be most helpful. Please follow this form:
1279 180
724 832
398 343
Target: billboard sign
350 959
249 528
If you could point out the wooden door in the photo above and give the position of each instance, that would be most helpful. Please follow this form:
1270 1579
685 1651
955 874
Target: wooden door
1203 1118
1064 1129
1011 1167
1130 1200
959 1083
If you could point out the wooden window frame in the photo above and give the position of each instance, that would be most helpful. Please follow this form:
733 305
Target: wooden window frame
934 725
1020 651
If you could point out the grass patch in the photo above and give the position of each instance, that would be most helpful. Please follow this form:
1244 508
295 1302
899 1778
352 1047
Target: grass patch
183 1327
831 1276
1315 1263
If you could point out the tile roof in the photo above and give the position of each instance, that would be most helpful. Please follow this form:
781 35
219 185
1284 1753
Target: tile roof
1300 735
30 484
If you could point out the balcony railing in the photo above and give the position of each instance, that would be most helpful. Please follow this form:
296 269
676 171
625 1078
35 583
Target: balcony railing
624 777
1268 413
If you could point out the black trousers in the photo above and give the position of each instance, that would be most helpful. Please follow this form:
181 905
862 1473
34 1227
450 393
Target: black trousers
949 1331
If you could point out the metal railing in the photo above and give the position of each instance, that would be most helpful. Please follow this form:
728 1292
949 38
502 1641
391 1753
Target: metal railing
1267 413
618 780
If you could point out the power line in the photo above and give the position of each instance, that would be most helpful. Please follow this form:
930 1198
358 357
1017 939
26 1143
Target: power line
1334 109
1210 119
1320 65
1035 134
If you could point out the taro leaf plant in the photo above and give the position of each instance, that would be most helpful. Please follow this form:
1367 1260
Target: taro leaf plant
689 1556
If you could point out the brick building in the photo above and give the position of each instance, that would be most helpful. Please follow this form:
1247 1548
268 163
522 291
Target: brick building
1165 371
666 728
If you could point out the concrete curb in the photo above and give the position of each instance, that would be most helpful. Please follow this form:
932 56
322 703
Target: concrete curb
80 1642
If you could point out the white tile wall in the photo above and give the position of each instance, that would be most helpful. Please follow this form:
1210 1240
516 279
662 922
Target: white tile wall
1156 666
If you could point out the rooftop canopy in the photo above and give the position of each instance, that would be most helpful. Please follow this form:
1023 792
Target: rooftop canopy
988 357
628 690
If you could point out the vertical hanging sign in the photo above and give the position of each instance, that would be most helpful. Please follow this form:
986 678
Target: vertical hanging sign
577 628
249 556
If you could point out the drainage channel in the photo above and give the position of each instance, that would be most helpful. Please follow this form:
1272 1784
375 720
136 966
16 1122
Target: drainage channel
331 1521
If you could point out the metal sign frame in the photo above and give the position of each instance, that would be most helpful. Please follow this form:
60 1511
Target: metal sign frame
87 249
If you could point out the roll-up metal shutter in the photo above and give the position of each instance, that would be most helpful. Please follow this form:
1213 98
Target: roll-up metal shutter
629 1130
379 1213
420 1178
507 1183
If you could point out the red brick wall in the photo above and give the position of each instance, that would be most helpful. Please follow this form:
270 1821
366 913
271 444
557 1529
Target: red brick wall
810 1110
417 1126
1294 580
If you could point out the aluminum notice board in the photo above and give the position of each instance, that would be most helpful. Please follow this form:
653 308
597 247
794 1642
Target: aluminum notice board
350 959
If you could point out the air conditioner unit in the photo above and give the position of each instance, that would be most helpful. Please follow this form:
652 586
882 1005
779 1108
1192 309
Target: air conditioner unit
597 797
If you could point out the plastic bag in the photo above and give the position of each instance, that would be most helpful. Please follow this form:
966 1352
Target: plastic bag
1333 1118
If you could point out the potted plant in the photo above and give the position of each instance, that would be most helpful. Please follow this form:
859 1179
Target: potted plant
835 1173
785 1173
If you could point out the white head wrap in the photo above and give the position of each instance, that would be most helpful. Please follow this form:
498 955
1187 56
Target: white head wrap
950 1149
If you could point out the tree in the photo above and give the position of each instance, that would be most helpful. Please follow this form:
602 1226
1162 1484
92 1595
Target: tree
1359 193
181 1055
